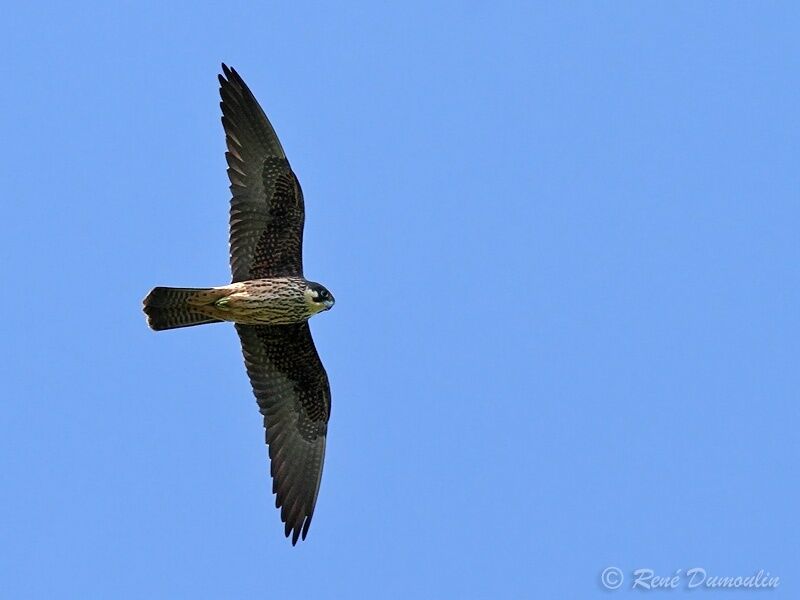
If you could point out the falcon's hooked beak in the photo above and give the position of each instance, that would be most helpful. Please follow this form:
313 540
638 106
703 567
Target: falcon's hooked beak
329 303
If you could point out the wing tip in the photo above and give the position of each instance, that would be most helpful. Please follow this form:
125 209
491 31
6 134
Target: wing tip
231 77
299 530
306 525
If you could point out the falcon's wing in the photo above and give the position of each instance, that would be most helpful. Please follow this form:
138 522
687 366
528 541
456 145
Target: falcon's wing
291 387
267 214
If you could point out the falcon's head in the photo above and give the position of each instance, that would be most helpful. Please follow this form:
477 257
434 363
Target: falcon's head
318 297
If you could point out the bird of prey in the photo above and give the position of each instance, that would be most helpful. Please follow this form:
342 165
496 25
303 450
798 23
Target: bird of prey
269 301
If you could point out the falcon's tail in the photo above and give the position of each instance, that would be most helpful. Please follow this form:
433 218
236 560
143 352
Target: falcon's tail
170 308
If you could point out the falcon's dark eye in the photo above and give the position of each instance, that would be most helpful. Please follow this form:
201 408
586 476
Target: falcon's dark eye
320 295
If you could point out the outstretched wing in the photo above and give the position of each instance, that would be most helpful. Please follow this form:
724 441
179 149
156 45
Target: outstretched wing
291 387
267 214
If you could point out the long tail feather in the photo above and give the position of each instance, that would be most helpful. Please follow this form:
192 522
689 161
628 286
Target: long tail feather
171 308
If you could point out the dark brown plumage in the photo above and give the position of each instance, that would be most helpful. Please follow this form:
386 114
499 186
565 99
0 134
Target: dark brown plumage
266 238
293 394
267 212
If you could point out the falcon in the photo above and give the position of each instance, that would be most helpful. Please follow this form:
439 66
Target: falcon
269 301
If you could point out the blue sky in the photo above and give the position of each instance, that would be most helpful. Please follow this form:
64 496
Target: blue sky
563 239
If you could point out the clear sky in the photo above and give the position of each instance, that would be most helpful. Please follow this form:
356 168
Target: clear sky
563 240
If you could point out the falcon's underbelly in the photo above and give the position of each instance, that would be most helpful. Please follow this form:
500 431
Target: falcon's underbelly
277 301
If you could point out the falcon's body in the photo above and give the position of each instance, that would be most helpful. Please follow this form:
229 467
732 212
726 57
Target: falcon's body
270 301
273 301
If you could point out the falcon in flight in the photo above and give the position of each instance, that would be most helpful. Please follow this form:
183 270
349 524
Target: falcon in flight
269 301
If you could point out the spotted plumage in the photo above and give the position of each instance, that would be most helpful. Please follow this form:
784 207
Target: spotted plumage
269 301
